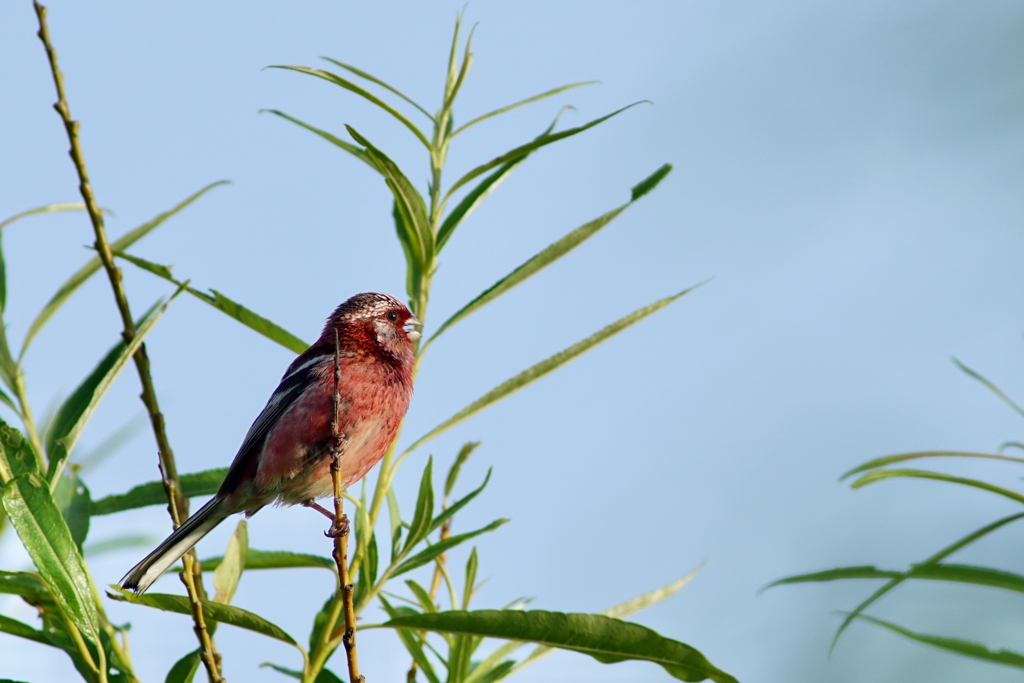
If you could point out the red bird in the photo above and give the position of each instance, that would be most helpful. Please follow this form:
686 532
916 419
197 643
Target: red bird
286 455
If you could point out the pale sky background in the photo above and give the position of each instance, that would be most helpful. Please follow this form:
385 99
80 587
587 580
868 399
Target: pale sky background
850 175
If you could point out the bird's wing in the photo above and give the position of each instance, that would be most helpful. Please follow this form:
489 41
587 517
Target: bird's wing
299 377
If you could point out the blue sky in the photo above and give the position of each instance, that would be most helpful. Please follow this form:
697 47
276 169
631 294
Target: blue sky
849 175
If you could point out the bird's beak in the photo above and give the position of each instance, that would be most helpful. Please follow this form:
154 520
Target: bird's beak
410 328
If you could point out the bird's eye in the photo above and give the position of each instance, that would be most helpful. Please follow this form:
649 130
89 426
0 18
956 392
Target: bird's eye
393 316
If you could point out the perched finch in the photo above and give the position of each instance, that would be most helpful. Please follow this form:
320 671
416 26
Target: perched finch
286 455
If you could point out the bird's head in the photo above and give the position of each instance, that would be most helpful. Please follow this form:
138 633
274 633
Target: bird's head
380 319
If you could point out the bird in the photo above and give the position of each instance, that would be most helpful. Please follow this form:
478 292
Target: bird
286 455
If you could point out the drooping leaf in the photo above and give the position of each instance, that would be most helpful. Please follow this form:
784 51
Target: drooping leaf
233 309
459 504
607 640
214 611
903 457
78 409
529 147
460 460
370 97
550 254
422 596
184 670
90 268
334 140
49 208
430 553
880 475
544 367
203 483
46 537
229 569
962 647
520 103
837 574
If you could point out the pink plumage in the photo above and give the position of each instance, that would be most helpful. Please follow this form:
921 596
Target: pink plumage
285 456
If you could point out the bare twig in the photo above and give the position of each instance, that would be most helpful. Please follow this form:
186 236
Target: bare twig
340 528
177 502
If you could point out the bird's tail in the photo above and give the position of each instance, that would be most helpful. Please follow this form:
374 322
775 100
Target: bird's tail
174 546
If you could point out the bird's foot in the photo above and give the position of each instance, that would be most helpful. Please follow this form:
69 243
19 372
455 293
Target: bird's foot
312 504
338 528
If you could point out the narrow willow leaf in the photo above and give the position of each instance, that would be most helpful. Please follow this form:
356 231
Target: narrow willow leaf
449 512
996 390
7 401
374 79
965 573
422 596
16 628
325 675
548 255
78 409
473 198
203 483
214 611
334 78
410 204
903 457
72 498
249 318
49 208
649 183
937 557
395 521
333 139
520 103
603 638
460 460
880 475
837 574
269 559
229 569
432 552
320 620
471 566
963 647
411 641
184 670
28 585
544 367
621 611
529 147
459 659
87 271
419 525
46 537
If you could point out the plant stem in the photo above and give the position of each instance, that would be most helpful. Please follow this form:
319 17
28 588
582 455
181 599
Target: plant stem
26 416
177 502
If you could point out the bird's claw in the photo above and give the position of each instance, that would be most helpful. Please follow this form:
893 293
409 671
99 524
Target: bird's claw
338 528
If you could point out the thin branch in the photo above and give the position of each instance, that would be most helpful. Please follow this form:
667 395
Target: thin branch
178 503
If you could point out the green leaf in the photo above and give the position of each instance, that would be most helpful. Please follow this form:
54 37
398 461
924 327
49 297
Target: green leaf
334 140
963 647
325 675
374 79
411 250
410 204
352 87
28 585
880 475
431 552
650 182
520 103
965 573
184 670
270 559
548 255
87 271
411 641
214 611
996 390
471 566
203 483
49 208
422 596
46 537
320 620
837 574
529 147
460 460
419 525
395 520
449 512
16 456
249 318
229 570
937 557
607 640
903 457
16 628
544 367
72 498
78 409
